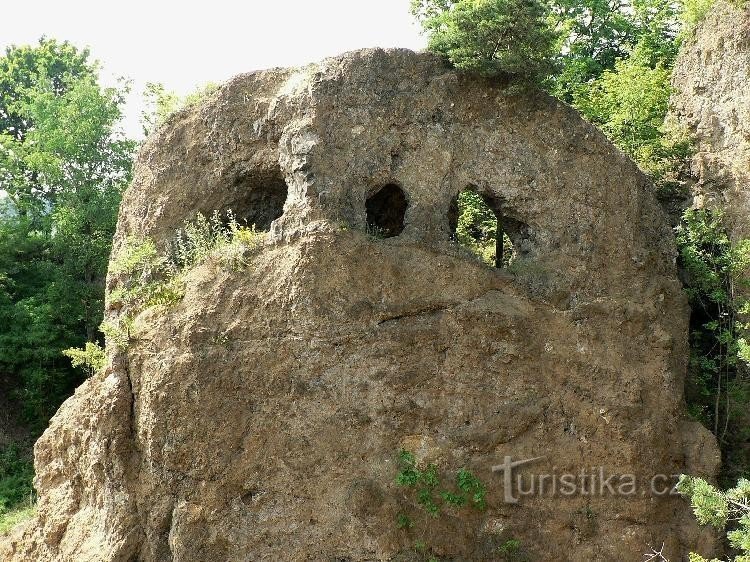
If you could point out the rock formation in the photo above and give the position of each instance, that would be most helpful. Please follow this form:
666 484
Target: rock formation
712 100
260 418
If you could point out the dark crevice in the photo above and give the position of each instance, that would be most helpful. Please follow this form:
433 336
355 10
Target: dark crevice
259 198
386 210
414 314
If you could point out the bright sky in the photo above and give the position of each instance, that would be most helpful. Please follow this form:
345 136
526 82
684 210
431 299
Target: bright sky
185 44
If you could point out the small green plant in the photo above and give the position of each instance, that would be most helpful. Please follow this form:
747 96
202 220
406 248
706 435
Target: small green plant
240 242
120 332
161 103
89 358
432 498
725 510
404 521
511 546
137 258
204 237
151 278
694 12
511 551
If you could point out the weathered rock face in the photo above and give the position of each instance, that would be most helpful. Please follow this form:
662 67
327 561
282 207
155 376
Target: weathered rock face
260 418
712 100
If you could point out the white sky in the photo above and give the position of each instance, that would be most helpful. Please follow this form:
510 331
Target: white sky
186 44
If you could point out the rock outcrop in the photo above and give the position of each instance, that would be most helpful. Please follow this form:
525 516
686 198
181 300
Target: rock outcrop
260 417
712 100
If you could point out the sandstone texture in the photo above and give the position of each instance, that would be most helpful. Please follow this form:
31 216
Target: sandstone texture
712 100
260 418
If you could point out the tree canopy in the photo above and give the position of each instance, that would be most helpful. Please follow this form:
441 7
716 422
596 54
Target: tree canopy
510 38
63 166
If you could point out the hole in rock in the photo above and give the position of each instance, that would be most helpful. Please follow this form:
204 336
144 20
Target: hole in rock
386 210
478 223
260 198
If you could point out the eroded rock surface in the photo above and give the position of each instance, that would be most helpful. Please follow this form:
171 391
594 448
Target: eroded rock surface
712 100
260 417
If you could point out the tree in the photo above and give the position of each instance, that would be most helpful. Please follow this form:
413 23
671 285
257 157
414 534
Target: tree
63 166
507 38
721 509
718 388
21 70
596 34
563 45
629 103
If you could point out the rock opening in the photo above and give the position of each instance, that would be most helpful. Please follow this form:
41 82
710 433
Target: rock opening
481 224
476 223
260 198
386 210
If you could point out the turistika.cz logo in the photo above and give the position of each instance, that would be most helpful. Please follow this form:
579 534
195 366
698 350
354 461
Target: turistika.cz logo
589 481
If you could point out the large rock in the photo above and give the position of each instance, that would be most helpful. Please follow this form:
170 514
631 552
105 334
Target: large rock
260 418
712 100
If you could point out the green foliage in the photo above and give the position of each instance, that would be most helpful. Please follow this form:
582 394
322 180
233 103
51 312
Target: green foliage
16 478
145 280
725 510
511 546
472 489
222 238
718 388
694 11
14 517
139 259
510 38
561 44
120 332
20 69
512 551
403 521
477 228
149 278
630 103
160 103
596 34
90 358
63 166
425 484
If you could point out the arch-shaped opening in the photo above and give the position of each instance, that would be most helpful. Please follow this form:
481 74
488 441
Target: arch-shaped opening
478 223
386 210
259 198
